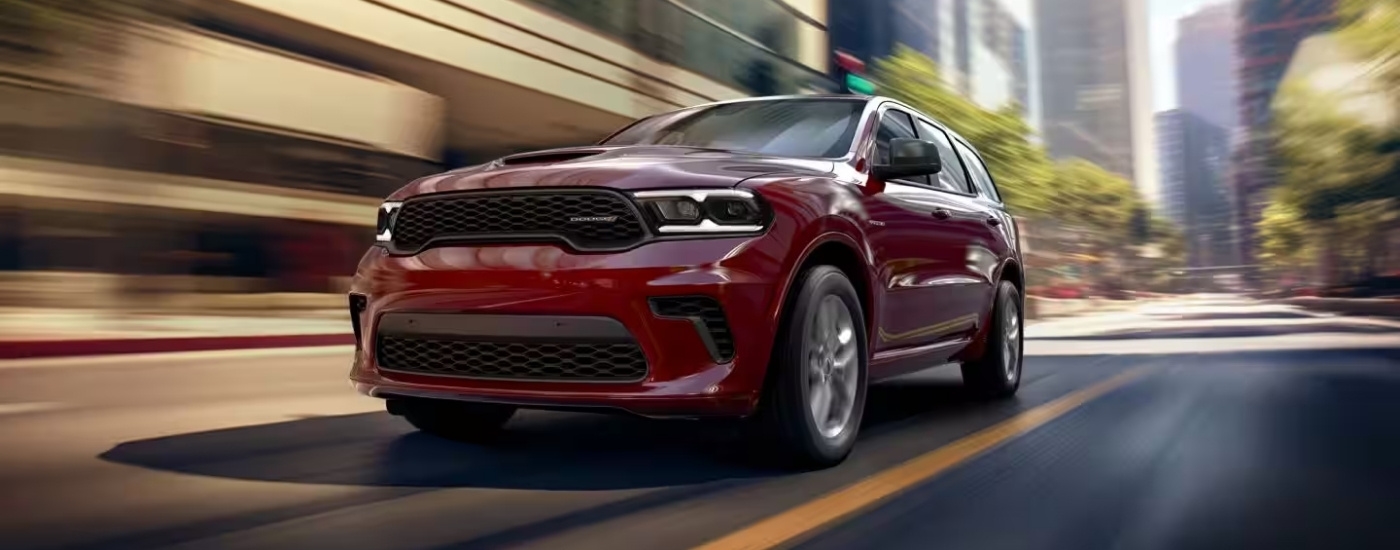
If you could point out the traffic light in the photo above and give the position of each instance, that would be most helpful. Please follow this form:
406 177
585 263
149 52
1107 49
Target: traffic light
859 85
850 73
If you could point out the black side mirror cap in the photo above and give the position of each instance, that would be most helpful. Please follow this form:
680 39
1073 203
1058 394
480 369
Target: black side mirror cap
910 157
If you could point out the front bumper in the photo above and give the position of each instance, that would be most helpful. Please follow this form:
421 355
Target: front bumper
521 291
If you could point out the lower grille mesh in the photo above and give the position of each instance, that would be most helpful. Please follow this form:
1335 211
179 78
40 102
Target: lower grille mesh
704 309
611 362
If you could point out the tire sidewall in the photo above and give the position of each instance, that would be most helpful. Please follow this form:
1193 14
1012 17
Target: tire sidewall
1004 290
820 282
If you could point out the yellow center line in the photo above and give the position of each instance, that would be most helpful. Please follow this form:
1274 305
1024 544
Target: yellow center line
807 519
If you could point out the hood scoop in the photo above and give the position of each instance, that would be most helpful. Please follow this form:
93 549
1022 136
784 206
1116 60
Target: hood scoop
550 156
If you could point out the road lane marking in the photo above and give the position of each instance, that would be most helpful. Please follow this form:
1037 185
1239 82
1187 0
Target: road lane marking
21 408
807 519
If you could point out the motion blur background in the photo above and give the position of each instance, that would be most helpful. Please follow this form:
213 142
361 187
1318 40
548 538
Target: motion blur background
225 157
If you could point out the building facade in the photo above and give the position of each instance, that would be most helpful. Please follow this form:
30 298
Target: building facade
979 47
244 145
1206 66
1095 86
1193 154
1267 35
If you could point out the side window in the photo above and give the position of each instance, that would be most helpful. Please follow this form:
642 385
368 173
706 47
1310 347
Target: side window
894 124
952 178
980 176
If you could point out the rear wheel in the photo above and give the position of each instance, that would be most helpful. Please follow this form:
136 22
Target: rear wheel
458 421
997 373
812 410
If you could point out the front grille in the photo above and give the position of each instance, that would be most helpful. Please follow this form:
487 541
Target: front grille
707 312
584 219
600 362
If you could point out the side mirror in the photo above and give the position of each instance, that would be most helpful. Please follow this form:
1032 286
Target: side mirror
910 157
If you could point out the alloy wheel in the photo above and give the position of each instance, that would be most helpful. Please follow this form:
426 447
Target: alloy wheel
832 367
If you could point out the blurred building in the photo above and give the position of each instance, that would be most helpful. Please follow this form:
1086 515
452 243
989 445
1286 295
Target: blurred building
979 46
243 145
1193 154
1206 66
1268 33
1095 86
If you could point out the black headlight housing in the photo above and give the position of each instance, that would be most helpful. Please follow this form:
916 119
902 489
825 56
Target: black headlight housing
705 211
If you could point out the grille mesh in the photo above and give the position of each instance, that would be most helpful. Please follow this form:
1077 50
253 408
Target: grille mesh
613 362
708 311
513 215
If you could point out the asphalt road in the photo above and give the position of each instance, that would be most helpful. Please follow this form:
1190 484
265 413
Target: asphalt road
1243 425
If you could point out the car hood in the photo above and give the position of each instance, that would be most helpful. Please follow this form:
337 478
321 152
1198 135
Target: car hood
628 168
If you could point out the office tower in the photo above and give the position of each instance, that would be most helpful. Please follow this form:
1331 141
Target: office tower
1095 86
1267 35
1193 154
1206 67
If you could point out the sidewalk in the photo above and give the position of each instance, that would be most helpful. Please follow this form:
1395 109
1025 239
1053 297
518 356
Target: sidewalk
27 333
35 333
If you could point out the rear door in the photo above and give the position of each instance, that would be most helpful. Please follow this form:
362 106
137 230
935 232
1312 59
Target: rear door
973 228
1002 238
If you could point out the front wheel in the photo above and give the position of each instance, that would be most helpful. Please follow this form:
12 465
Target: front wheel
813 406
997 373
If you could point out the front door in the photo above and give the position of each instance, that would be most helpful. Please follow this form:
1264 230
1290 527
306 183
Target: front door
912 254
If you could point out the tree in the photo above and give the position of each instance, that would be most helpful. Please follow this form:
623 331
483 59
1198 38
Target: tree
1285 239
1094 198
1369 26
1340 175
1328 160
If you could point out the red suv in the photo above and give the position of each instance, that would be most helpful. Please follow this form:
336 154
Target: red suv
762 259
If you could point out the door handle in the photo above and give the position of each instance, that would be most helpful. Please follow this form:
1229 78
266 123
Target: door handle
941 213
993 221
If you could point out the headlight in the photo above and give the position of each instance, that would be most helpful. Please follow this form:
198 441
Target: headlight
706 211
384 227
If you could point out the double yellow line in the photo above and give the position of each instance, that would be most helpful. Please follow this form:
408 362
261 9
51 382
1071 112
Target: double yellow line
805 520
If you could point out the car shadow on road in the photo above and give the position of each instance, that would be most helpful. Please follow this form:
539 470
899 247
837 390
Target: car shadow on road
538 451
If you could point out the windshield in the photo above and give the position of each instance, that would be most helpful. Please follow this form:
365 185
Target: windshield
790 128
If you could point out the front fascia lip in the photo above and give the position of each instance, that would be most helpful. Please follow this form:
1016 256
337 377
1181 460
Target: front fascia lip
706 226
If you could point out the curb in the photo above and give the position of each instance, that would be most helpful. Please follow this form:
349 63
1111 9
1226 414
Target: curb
37 349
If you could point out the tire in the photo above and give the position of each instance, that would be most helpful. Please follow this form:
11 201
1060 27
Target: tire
457 421
825 309
997 373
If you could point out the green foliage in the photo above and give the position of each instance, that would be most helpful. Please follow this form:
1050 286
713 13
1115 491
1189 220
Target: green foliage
1092 197
1371 27
1327 160
1285 237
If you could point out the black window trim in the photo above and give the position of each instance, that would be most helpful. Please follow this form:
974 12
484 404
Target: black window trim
951 137
990 178
875 135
